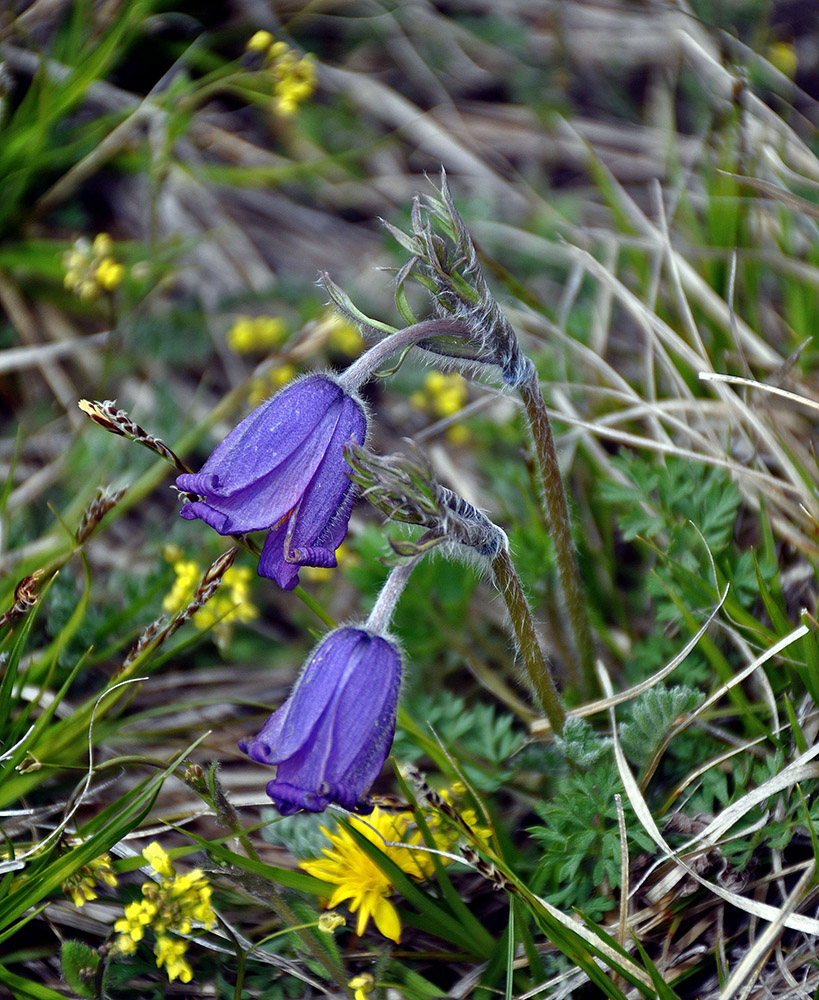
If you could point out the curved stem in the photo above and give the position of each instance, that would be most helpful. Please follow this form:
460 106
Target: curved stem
371 360
556 511
382 611
508 583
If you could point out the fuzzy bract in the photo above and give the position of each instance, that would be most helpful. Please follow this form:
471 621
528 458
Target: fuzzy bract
283 468
330 739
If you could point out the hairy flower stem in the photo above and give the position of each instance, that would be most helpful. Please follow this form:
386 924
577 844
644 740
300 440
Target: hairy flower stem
361 370
508 583
556 512
382 611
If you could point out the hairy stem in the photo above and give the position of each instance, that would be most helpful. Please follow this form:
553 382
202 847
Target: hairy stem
508 584
382 612
362 369
556 511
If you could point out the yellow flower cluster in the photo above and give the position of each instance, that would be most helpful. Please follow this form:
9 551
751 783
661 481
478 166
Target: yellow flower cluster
230 603
359 879
80 887
294 76
171 906
90 268
443 396
256 333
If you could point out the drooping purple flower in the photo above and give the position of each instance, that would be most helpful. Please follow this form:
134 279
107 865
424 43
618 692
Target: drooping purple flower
330 739
283 468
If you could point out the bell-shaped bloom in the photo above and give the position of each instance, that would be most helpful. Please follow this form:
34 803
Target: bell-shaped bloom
283 468
330 739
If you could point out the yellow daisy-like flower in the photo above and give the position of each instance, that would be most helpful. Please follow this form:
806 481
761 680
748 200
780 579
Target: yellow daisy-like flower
359 879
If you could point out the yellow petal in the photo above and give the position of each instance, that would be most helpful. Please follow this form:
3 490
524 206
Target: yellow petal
387 920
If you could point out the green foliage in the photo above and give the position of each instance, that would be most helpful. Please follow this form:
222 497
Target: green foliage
652 715
79 964
483 739
579 837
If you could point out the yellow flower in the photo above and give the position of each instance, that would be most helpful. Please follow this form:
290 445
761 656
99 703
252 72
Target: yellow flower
359 879
173 905
444 396
109 274
345 336
259 42
90 267
256 333
363 985
158 860
294 77
230 603
169 952
328 922
80 886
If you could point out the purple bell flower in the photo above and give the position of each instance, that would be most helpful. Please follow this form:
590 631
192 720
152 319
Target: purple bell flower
330 739
284 468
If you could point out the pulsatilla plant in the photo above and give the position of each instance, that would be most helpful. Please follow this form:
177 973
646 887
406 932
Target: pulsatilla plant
283 469
330 739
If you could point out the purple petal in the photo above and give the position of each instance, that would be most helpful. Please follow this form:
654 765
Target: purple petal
276 490
266 437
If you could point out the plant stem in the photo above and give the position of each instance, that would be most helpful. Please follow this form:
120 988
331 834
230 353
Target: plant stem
380 617
363 368
556 512
508 583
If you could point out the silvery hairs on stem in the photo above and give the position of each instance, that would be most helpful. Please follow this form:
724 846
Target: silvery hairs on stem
444 260
404 488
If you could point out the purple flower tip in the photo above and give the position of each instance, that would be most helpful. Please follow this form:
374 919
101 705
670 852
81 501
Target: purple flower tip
283 468
330 739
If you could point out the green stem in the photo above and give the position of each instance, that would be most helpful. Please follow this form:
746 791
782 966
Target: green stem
508 583
556 512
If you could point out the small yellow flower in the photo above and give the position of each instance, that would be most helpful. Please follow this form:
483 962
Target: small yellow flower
328 922
294 77
259 42
231 603
80 887
444 396
359 879
158 860
171 906
90 267
259 333
363 985
169 952
109 274
345 337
